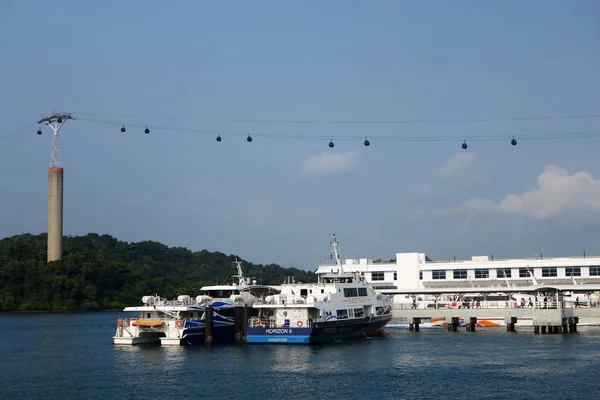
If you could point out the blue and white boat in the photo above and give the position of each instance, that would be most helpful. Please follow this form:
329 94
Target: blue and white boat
182 321
175 322
340 306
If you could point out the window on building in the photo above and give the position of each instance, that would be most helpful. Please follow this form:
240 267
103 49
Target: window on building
549 271
362 291
377 276
460 274
350 292
594 271
342 314
524 273
502 273
438 274
482 273
573 271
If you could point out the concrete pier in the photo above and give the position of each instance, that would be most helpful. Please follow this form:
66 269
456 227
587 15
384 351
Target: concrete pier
559 319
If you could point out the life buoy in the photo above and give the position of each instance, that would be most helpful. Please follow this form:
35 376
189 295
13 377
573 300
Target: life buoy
299 323
179 323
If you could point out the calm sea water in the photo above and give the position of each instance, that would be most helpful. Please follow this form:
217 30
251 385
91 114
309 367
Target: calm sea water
71 356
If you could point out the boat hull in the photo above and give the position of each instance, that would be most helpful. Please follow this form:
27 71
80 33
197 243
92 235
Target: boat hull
319 333
132 341
194 334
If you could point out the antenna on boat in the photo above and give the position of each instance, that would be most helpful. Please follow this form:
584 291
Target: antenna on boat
240 272
338 261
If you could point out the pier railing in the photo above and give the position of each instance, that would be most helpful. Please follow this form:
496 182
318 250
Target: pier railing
445 305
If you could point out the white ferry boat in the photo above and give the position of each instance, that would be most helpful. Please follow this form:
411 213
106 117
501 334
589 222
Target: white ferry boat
181 321
413 279
174 322
340 306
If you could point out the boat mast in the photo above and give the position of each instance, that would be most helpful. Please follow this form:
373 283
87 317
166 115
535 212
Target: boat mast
334 244
240 273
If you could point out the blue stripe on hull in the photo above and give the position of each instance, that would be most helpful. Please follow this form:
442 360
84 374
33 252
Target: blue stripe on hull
321 332
221 334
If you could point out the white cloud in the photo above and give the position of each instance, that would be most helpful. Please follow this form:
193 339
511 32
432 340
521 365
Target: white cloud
329 163
458 170
459 164
556 192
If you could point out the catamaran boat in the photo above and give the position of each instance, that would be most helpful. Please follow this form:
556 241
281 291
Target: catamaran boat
175 322
340 306
414 281
182 321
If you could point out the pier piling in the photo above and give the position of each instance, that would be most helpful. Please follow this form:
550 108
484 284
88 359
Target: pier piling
238 325
246 316
510 324
452 324
573 324
414 326
472 324
208 329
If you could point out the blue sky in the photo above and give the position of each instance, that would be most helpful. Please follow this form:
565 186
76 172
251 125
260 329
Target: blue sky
279 200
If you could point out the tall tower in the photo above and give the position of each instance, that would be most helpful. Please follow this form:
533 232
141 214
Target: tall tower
55 187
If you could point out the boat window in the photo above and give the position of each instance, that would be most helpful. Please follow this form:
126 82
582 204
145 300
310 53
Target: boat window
573 271
395 276
303 292
362 291
377 276
459 274
438 274
482 273
322 291
549 271
350 292
420 275
359 312
594 271
503 273
221 293
342 314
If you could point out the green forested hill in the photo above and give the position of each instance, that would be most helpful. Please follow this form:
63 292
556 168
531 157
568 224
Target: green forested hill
101 272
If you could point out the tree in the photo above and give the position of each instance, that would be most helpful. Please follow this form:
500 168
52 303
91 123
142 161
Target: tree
101 272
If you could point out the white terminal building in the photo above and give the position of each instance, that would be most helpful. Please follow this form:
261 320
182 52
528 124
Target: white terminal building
412 272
